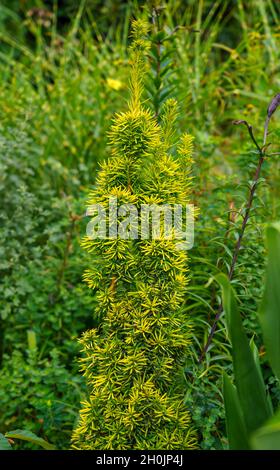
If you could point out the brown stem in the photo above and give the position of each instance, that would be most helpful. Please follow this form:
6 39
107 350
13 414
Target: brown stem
240 237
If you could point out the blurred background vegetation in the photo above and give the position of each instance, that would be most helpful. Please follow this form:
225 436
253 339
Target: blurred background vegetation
63 74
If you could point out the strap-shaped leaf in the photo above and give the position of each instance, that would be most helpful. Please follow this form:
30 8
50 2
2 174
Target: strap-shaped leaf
4 443
236 430
269 313
30 437
250 387
255 352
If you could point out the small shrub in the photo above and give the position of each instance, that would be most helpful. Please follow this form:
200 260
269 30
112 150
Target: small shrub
134 361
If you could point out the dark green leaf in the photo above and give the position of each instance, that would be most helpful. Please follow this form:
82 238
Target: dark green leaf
30 437
269 313
236 430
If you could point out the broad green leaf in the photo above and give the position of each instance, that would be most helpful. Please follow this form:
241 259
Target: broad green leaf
255 352
269 313
236 431
249 385
30 437
4 443
268 436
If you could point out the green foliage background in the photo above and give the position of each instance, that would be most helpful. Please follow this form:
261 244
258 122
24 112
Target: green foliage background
63 75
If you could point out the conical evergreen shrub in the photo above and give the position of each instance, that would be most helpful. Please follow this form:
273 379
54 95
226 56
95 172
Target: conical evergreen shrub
133 362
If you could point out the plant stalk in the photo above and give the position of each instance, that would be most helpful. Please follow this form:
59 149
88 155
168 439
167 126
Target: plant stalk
242 231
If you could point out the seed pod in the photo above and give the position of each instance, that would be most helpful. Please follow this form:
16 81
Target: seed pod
273 105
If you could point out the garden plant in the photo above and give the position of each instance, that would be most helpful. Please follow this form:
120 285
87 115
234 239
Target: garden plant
110 339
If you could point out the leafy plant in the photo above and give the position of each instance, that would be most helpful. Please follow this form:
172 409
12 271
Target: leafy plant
38 234
262 155
5 440
48 400
64 93
63 71
250 419
133 361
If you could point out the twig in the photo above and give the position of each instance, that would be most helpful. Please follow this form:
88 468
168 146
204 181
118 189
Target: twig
250 130
67 249
265 129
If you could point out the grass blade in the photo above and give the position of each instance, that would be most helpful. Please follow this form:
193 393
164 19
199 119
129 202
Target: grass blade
269 313
236 430
250 387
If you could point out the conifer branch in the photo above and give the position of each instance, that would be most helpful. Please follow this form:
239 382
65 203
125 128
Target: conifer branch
133 362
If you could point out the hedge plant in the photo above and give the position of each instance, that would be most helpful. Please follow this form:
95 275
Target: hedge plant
133 362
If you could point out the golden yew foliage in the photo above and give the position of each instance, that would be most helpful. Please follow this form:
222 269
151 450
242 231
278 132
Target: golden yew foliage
133 362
